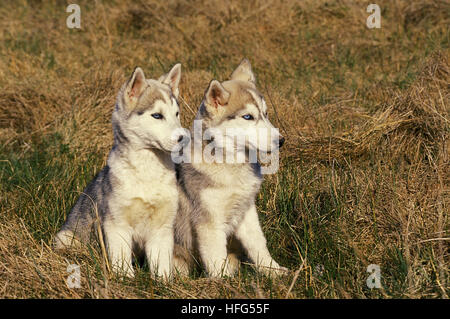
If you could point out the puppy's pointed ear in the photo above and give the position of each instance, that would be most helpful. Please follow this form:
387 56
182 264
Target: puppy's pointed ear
244 72
134 88
172 78
216 95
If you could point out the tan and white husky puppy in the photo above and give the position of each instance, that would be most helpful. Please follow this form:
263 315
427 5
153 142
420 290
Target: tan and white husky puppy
217 199
135 195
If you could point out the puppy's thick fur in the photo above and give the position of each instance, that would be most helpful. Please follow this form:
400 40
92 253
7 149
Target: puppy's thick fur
217 200
134 197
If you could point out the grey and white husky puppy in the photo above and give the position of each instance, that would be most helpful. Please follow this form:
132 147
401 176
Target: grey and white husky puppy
217 199
135 195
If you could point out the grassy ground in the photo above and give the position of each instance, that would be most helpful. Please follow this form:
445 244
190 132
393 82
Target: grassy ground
364 175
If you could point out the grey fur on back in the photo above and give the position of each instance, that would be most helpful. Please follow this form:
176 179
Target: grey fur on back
92 203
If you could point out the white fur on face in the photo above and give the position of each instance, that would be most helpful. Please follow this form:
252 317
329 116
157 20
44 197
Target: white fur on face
268 135
157 133
260 134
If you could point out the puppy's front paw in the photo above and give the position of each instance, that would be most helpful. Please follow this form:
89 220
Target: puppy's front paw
232 265
274 270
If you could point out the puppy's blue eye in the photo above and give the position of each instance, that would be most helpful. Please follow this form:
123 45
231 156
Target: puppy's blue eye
157 116
248 117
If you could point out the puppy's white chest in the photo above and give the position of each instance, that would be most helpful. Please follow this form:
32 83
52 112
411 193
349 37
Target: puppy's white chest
145 195
138 212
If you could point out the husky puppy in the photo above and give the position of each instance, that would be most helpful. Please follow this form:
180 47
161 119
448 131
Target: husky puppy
217 199
135 195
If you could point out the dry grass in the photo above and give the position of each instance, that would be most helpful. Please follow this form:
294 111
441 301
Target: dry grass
411 123
364 175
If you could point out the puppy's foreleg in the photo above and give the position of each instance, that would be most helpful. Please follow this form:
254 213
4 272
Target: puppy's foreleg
212 245
119 245
250 234
159 251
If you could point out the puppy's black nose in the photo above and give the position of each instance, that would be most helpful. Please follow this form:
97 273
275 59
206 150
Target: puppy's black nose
281 142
